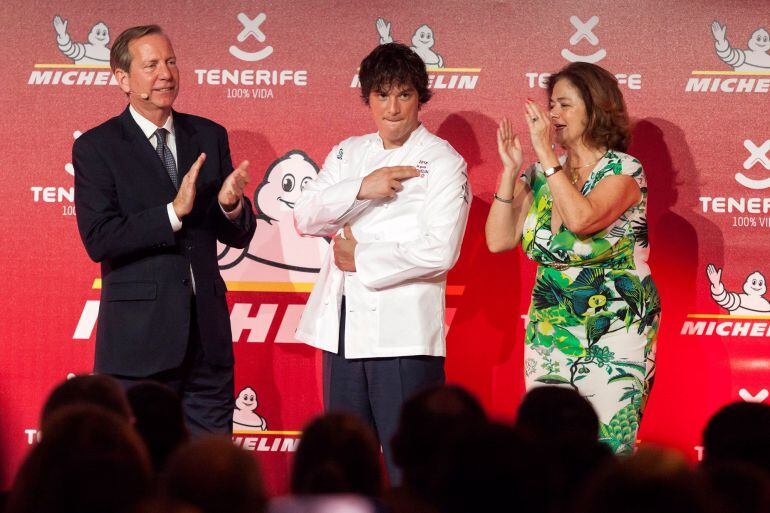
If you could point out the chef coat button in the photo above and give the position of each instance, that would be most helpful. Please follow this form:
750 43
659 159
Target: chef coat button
373 308
377 237
326 301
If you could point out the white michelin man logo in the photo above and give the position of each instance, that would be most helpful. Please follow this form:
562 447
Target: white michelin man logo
756 58
584 31
759 154
422 42
751 302
277 252
95 51
245 414
251 28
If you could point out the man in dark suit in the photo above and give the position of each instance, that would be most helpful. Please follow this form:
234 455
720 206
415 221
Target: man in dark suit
154 191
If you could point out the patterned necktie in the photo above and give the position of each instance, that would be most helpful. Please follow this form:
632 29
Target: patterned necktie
165 156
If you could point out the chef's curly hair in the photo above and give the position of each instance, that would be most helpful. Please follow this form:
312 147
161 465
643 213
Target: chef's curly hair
607 124
393 64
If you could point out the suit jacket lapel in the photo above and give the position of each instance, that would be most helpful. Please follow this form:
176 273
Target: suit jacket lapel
187 147
145 154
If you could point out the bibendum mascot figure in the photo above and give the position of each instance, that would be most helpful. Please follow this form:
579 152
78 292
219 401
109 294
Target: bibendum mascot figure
756 58
422 42
245 416
95 51
751 302
277 252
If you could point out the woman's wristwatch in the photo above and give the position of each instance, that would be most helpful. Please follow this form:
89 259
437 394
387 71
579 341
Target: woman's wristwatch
552 170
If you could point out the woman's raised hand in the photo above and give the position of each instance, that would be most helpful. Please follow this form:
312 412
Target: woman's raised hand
509 148
539 124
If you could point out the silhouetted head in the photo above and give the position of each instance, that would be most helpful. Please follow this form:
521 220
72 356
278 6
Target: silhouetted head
338 453
88 461
651 481
557 413
739 432
97 390
158 419
738 487
426 420
489 468
215 476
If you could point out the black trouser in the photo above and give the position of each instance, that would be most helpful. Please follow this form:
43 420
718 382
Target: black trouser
375 388
206 390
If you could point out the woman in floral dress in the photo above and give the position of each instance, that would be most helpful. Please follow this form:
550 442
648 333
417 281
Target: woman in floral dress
582 217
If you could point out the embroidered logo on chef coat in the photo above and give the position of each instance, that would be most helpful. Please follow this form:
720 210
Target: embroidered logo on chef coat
423 166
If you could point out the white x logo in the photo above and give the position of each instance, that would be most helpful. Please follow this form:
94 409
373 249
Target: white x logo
251 28
584 30
759 155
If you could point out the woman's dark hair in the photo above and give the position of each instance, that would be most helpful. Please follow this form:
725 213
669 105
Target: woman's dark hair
390 65
607 124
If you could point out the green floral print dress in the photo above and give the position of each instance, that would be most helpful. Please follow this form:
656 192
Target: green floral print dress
594 314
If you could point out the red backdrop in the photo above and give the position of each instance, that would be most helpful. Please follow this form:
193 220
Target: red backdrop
700 129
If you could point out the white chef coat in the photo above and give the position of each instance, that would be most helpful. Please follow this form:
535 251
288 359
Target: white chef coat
406 245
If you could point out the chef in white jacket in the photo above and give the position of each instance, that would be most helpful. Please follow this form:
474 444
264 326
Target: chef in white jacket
396 202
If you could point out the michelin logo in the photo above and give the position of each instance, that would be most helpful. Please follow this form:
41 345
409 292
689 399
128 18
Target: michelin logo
748 311
246 421
91 54
245 416
755 58
750 302
422 42
95 51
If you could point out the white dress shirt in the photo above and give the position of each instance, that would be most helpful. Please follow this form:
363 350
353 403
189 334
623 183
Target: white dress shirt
149 128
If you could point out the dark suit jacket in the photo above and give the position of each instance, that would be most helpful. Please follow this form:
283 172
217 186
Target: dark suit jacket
121 193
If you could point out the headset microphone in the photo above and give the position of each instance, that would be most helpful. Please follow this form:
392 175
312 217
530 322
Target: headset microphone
143 96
